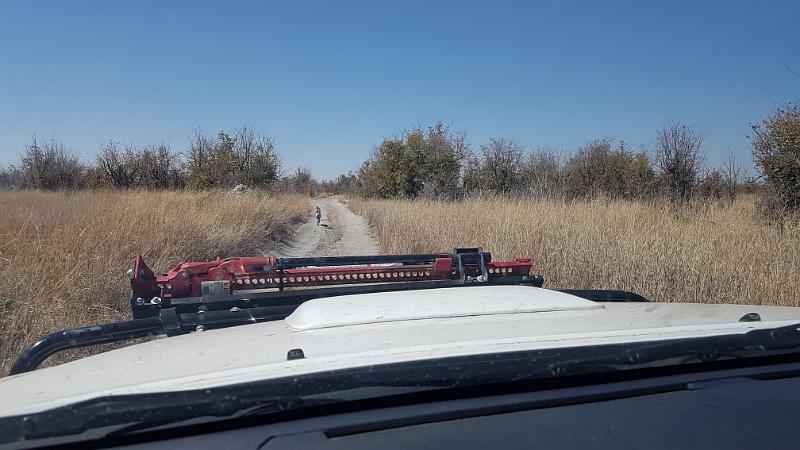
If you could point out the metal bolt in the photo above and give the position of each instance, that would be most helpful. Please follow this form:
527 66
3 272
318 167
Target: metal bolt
202 309
156 300
140 301
200 328
235 309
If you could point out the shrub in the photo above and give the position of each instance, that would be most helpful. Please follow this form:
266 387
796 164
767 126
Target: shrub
419 163
776 151
241 158
679 158
48 166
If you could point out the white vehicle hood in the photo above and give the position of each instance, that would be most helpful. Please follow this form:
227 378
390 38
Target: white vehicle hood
367 329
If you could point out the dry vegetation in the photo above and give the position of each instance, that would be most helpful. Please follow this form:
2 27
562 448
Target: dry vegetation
64 255
703 253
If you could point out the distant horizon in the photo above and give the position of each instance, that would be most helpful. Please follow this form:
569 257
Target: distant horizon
328 82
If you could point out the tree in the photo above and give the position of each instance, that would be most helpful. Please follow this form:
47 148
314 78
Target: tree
258 163
776 151
678 155
157 167
11 178
599 168
417 163
390 171
48 166
639 177
592 170
730 175
500 166
115 166
243 157
152 167
541 174
200 159
713 185
347 183
443 157
303 182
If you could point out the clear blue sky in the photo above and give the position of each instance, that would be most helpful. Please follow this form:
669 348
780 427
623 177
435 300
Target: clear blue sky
329 79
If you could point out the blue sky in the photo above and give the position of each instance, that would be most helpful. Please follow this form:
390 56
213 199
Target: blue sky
328 80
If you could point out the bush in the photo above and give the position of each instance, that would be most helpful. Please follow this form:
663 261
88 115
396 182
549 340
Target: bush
678 156
498 170
776 151
303 182
11 178
153 167
713 186
542 175
48 166
347 183
597 168
242 158
420 163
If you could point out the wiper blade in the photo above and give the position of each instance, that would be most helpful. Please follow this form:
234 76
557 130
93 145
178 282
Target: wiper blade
705 349
127 413
255 408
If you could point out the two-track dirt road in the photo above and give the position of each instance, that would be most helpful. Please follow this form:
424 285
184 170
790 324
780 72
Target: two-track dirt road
341 232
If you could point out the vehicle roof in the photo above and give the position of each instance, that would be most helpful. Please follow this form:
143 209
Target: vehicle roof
367 329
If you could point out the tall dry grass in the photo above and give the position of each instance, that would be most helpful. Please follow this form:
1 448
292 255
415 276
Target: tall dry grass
701 253
64 255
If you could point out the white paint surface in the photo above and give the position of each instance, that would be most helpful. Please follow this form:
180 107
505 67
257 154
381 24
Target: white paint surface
427 304
335 337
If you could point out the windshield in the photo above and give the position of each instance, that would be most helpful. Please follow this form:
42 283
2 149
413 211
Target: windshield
217 194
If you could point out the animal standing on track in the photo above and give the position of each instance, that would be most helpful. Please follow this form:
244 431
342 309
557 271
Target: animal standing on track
318 214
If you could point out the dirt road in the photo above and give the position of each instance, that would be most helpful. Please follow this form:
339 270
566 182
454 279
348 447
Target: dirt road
341 232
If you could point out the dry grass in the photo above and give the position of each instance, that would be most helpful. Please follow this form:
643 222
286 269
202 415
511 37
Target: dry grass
64 255
706 253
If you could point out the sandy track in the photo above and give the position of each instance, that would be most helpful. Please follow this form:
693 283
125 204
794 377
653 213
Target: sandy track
341 232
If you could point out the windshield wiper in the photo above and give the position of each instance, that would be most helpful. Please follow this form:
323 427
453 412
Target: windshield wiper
754 343
124 413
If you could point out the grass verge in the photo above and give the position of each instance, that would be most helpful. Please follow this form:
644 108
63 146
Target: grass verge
64 255
702 253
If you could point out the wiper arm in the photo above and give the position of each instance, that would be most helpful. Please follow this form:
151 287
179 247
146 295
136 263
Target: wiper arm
253 408
704 349
128 413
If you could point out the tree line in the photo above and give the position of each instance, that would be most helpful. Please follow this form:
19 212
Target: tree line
436 162
228 159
